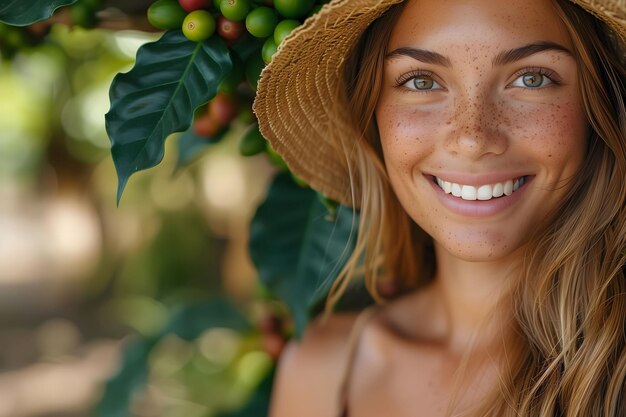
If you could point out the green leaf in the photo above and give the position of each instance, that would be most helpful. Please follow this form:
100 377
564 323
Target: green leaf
187 322
22 13
132 375
190 321
296 249
246 46
190 146
171 77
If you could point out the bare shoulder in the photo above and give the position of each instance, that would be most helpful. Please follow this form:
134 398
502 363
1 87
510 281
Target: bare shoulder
310 370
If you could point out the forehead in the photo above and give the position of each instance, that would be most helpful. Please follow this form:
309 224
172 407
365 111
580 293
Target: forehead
477 23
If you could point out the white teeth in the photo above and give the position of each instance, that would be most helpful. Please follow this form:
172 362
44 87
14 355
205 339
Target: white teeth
456 190
483 192
468 192
508 187
498 190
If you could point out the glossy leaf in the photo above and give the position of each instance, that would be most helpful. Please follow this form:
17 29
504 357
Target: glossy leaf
296 249
22 13
171 77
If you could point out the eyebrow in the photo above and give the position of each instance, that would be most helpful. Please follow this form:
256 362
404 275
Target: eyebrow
423 55
503 58
512 55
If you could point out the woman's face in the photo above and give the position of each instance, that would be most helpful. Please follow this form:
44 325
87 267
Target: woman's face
480 94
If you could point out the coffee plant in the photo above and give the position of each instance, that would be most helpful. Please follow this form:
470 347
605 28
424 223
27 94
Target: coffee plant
198 80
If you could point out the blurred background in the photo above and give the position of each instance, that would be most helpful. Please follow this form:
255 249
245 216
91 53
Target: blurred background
81 280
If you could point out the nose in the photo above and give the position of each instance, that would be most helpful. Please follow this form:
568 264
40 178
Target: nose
477 128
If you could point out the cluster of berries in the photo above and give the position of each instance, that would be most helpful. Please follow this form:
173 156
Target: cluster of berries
271 20
267 21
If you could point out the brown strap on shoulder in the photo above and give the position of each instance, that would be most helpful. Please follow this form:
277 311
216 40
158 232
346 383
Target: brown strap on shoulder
353 344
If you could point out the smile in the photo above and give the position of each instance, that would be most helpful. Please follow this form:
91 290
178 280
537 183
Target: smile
482 192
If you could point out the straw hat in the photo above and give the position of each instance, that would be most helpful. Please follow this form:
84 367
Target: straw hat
300 100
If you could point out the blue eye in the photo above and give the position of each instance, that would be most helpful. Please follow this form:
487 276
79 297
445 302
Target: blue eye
532 79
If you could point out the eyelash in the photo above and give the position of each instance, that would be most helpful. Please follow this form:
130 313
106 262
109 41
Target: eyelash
401 80
541 71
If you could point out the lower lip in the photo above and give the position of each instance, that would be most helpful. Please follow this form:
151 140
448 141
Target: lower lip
478 208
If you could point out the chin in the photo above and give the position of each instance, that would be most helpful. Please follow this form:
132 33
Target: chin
481 247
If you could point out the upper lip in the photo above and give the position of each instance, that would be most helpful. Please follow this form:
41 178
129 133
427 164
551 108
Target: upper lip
478 179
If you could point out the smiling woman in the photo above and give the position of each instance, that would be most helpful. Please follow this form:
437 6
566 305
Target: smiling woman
499 108
484 144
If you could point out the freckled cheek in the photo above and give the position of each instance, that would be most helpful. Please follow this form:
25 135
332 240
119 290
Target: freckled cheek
555 134
407 134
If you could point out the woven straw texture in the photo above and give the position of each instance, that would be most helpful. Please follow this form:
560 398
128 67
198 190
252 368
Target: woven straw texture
301 105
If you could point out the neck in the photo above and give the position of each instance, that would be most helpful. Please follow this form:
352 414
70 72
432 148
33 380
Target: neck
472 299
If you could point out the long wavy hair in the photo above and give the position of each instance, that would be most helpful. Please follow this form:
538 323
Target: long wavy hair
570 301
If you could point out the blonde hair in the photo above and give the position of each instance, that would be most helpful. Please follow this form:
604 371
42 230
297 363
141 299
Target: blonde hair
570 301
363 77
